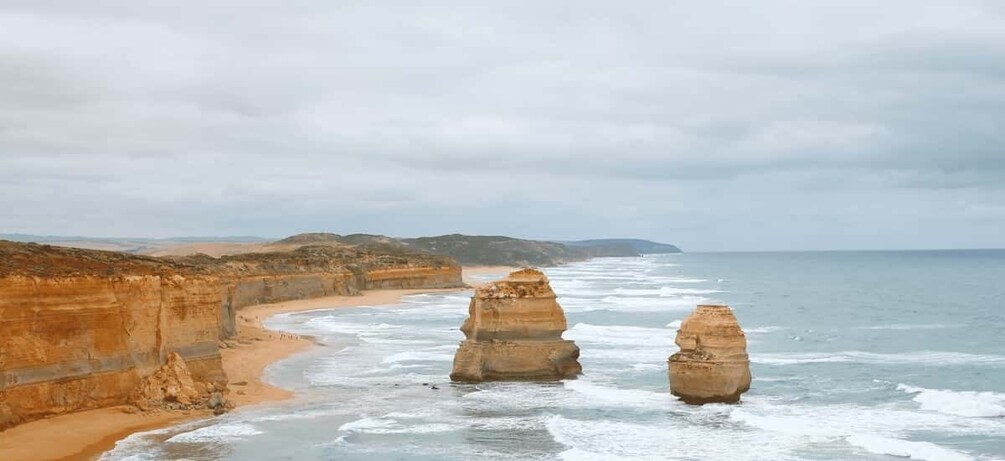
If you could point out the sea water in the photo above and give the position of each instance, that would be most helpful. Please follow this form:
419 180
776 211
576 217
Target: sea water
855 355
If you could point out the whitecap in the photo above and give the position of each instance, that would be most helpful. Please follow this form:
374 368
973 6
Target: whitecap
959 403
605 395
759 330
418 356
366 424
636 304
665 292
371 425
620 335
575 454
613 439
906 448
647 366
929 358
934 326
217 433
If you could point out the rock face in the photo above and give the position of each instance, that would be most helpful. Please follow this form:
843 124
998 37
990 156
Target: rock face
84 329
83 342
514 332
169 386
712 365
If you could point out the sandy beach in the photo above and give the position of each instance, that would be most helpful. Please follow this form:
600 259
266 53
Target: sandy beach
85 435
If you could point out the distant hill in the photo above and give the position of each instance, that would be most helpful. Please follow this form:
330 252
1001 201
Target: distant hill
487 250
638 245
495 250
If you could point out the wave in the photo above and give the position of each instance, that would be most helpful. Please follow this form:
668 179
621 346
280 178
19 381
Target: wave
594 437
757 330
365 424
634 304
575 454
844 420
619 335
648 367
418 356
906 448
934 326
665 292
604 395
932 358
386 425
678 438
958 403
332 324
217 433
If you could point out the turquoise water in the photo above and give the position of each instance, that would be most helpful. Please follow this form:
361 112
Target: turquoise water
855 355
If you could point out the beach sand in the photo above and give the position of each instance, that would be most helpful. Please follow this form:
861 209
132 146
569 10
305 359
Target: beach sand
87 434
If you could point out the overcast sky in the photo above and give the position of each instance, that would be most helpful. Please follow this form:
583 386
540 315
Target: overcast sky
712 125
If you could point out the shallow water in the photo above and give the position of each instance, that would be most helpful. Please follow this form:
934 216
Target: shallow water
855 355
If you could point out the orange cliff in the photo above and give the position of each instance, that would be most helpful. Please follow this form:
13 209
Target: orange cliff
83 329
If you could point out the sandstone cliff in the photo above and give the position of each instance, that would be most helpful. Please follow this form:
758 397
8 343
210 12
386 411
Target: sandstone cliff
82 329
712 365
514 332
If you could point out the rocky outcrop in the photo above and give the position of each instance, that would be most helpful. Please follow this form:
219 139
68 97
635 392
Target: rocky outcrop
514 332
173 387
84 329
712 365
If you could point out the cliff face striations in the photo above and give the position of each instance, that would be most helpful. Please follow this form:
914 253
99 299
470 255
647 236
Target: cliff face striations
514 332
712 365
82 329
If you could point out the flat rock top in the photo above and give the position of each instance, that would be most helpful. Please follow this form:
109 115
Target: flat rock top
524 283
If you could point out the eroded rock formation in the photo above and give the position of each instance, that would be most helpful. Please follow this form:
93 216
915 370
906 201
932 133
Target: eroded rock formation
514 332
82 329
172 387
712 365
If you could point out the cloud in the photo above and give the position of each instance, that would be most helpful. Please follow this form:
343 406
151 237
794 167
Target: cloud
554 120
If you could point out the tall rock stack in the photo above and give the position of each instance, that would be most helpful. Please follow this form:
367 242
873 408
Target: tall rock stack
514 333
712 365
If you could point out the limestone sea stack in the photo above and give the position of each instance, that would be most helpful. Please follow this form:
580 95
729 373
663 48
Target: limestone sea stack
712 365
514 333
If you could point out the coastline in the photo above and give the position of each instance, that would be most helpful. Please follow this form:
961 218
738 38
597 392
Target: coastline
86 435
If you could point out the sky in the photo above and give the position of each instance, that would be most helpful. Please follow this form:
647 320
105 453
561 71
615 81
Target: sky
741 125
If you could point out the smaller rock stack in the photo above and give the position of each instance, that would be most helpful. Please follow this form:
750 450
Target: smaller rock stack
514 333
712 365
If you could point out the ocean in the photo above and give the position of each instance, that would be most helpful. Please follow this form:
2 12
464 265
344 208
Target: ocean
855 355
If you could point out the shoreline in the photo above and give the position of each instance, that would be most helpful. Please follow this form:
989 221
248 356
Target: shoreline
87 434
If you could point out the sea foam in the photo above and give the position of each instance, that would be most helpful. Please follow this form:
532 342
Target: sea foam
959 403
217 433
930 358
618 335
905 448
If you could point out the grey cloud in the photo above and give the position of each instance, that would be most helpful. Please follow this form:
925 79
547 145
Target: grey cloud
552 120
